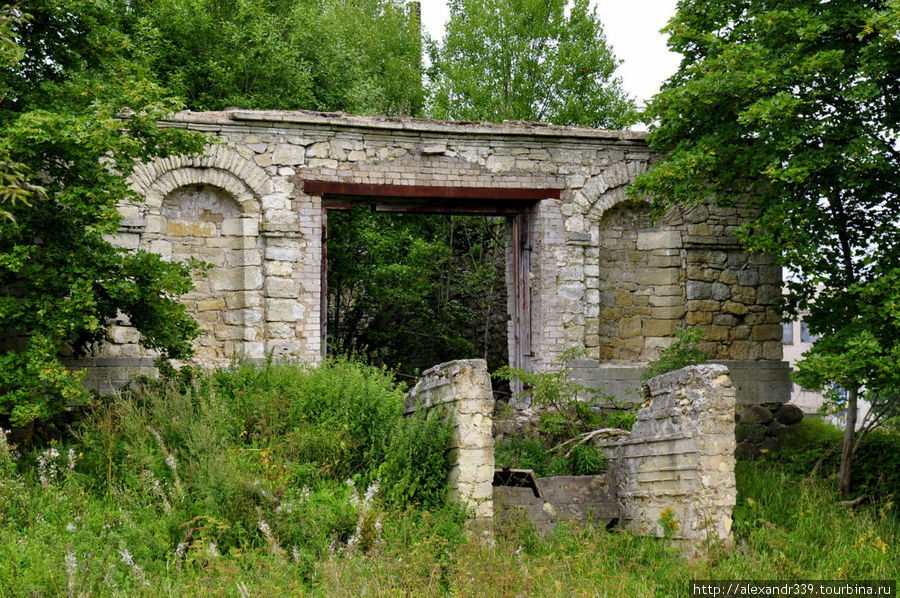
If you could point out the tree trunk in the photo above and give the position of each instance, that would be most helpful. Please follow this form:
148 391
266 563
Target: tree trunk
847 451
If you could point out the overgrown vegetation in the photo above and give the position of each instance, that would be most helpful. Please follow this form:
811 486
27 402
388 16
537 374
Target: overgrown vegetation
568 414
76 114
186 490
791 108
683 352
411 291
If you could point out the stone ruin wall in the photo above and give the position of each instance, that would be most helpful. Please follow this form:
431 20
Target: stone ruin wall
461 390
677 464
602 277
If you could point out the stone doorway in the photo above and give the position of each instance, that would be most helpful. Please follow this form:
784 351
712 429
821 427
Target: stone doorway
515 205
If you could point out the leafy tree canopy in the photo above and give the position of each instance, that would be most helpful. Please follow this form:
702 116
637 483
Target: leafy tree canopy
64 156
535 60
360 56
794 107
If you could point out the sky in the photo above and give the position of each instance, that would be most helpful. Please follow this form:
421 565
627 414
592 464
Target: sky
632 28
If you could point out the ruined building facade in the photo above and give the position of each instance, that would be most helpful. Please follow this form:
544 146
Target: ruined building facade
585 266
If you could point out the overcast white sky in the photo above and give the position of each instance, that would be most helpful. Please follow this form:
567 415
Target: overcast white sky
632 28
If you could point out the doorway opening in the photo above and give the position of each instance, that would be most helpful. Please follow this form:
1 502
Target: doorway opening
413 276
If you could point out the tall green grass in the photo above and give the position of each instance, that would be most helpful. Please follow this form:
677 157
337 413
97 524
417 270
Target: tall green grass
234 483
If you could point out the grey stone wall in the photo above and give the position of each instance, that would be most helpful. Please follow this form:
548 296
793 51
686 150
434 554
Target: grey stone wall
575 500
461 390
677 463
602 278
679 459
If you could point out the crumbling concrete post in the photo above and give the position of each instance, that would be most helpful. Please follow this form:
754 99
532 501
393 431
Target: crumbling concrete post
676 471
463 390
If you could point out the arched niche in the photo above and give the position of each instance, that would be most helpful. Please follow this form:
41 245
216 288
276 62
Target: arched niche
205 222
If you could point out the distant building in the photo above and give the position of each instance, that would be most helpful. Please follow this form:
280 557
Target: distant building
797 340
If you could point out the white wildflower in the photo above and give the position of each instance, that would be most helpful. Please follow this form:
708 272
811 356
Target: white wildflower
47 468
371 491
179 554
213 550
128 560
71 458
71 568
70 527
270 537
126 557
295 553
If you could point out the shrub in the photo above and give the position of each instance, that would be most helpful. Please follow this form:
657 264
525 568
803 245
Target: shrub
683 352
418 461
876 468
524 452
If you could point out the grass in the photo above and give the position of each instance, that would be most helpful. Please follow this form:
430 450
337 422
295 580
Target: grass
255 506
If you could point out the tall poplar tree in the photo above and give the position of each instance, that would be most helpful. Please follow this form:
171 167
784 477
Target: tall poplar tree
537 60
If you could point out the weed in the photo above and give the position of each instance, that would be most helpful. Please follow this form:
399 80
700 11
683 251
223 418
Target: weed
682 353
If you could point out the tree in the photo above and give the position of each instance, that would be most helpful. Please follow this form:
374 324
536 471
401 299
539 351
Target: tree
410 291
526 60
66 149
360 56
791 108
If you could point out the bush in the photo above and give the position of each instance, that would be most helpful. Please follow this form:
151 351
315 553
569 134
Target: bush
524 452
418 461
683 352
876 465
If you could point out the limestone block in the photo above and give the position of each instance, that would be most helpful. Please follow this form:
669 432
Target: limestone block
647 240
500 163
123 335
235 279
700 272
281 287
240 227
318 150
322 163
667 313
163 248
658 276
720 292
243 317
288 154
571 273
284 348
695 290
284 310
766 332
665 301
284 254
273 268
124 240
695 318
232 333
745 295
658 327
573 291
178 228
737 309
215 304
243 299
